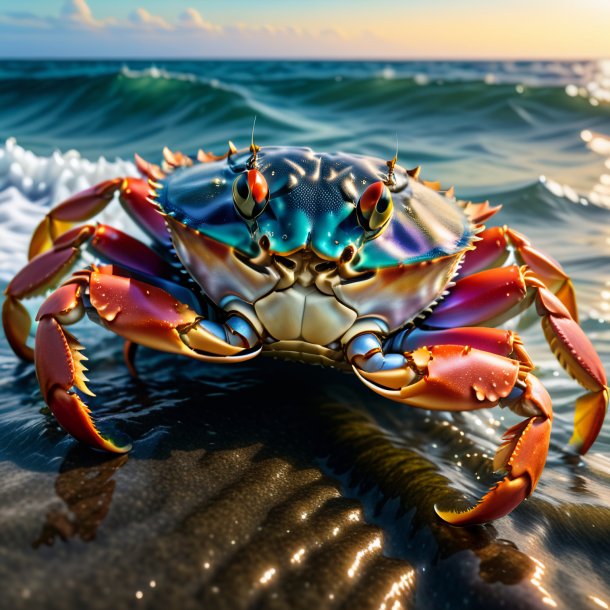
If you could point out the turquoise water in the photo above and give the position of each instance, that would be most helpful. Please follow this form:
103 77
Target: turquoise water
262 441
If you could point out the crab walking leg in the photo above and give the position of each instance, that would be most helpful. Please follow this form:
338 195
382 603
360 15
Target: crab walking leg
578 357
491 296
138 312
134 196
46 270
460 378
494 248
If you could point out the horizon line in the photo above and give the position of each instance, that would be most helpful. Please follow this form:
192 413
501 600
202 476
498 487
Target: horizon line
251 59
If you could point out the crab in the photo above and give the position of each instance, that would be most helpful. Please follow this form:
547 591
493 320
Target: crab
329 258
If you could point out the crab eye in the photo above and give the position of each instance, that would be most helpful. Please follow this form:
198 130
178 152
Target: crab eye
375 207
250 194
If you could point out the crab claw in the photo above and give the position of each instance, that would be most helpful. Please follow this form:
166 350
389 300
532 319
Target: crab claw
459 378
452 377
522 455
60 369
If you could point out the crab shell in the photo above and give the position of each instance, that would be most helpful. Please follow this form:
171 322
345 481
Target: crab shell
305 264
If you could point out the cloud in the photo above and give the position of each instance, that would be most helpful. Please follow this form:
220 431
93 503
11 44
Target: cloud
192 19
142 34
77 12
142 18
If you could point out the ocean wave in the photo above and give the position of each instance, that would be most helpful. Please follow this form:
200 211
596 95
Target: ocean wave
48 180
530 73
154 72
596 87
599 143
30 184
439 108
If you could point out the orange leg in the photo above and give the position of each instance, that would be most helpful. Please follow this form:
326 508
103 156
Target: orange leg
578 357
461 378
494 248
138 312
134 196
494 295
47 269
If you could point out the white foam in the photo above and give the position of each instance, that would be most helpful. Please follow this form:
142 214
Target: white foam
154 72
30 184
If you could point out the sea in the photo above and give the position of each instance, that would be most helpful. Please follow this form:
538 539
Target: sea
275 484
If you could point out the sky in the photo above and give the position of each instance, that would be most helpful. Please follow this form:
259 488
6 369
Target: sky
392 29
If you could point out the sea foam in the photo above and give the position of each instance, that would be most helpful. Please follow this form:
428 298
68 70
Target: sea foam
30 184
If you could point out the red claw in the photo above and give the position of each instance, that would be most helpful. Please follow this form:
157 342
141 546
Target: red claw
59 368
498 502
458 378
522 455
453 377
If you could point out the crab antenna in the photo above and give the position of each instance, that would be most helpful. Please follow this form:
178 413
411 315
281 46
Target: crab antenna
253 147
390 181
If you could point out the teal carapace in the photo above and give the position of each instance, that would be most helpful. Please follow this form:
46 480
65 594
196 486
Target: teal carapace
313 198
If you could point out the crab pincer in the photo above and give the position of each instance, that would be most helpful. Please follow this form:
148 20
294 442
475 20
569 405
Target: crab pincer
460 378
138 312
522 456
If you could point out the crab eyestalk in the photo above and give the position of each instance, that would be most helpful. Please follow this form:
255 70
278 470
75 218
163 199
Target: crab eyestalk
250 194
374 209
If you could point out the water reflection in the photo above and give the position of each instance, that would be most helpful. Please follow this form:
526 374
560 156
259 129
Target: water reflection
595 83
599 143
85 485
253 518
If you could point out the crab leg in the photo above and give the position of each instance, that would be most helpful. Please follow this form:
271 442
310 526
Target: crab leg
46 270
494 248
578 357
134 196
137 311
494 340
460 378
490 296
